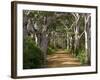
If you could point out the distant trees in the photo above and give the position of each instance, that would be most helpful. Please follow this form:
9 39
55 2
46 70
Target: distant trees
59 30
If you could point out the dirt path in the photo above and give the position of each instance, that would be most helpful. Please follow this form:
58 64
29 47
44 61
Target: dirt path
62 59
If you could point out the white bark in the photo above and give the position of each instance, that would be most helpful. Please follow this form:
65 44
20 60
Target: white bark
86 30
70 42
85 38
76 31
67 41
36 40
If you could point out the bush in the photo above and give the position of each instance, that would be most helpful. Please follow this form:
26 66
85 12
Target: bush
82 56
32 55
50 51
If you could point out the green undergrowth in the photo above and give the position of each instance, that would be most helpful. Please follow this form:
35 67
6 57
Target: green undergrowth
50 51
81 55
32 55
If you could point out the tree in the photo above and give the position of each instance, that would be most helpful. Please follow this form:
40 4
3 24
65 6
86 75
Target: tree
38 23
87 36
62 30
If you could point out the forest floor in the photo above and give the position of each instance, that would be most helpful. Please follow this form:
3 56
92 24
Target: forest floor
62 59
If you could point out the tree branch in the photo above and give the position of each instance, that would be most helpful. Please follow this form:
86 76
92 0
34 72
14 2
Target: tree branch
81 34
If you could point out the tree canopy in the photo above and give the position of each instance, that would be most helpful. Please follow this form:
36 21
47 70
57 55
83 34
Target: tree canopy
59 30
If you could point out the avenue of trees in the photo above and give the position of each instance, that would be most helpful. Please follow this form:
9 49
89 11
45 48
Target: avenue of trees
45 32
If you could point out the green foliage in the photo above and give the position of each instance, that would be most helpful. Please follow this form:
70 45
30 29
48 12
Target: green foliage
81 56
60 26
50 51
32 56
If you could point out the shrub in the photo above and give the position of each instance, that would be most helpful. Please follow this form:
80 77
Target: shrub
82 56
50 51
32 55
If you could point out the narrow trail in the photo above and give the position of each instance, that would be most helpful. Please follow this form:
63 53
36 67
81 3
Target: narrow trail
62 59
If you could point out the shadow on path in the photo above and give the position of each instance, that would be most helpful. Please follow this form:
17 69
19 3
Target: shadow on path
62 59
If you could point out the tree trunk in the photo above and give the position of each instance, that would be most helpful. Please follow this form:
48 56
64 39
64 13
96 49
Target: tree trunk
76 38
70 43
25 19
76 31
89 42
67 41
86 44
76 41
87 38
44 46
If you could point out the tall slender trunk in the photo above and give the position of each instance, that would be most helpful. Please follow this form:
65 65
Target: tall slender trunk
86 43
70 42
76 38
87 38
67 41
54 41
25 32
36 39
89 42
73 40
76 31
76 41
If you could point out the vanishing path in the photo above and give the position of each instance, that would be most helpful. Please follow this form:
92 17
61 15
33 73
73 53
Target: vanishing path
62 59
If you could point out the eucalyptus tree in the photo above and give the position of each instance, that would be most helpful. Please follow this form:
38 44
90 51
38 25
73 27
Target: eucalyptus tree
38 26
87 31
60 29
67 21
